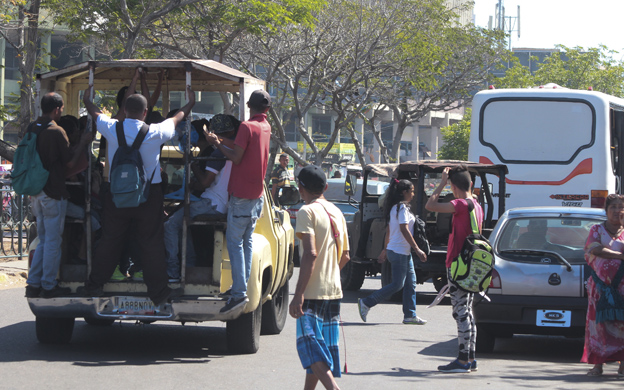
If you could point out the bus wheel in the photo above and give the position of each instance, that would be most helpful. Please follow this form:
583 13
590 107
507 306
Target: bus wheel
52 330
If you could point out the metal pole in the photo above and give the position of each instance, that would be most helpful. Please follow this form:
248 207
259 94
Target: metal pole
187 180
88 184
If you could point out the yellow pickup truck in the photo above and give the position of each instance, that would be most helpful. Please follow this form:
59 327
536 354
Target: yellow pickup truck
273 238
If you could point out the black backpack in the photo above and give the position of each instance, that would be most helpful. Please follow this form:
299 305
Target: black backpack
420 236
129 188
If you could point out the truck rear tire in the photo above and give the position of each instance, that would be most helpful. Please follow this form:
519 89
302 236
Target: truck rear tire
51 330
275 311
243 333
352 276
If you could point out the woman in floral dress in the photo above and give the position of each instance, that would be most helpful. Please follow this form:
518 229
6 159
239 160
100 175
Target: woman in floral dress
604 342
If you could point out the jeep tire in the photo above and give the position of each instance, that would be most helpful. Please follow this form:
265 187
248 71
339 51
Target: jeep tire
243 333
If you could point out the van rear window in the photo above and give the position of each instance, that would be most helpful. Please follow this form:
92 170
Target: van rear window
524 131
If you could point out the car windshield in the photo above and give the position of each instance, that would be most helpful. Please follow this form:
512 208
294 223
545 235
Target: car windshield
531 239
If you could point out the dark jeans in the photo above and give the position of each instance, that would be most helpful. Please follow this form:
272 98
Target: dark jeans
147 219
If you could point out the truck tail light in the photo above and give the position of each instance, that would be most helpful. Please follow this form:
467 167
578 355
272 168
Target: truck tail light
495 282
598 198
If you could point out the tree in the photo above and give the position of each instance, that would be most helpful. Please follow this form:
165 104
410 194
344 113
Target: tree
455 139
367 56
114 26
575 68
19 27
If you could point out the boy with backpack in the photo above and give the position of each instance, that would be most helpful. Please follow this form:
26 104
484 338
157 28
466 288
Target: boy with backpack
135 197
461 300
46 185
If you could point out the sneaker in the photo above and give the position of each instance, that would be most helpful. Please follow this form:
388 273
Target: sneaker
414 321
137 276
32 292
455 366
174 280
363 309
233 304
473 366
55 292
84 291
117 275
226 295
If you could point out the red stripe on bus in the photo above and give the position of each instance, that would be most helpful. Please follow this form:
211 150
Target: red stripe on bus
584 167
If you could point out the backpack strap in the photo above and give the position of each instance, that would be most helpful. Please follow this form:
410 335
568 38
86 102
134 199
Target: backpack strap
472 215
141 136
121 136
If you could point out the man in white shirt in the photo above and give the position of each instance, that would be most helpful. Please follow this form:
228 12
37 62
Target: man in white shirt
148 217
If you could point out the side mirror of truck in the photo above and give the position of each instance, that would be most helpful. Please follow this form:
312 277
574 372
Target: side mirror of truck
289 196
350 187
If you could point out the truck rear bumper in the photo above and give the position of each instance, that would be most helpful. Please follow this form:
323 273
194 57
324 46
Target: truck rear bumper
194 309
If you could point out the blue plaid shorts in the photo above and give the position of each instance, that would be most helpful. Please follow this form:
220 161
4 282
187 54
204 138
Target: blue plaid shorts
317 334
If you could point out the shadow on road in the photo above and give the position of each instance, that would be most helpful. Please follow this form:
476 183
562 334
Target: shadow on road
119 344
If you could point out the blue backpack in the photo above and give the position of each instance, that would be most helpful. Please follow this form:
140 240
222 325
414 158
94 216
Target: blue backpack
129 188
29 176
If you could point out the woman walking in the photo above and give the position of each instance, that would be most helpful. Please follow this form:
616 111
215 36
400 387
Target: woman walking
604 331
397 250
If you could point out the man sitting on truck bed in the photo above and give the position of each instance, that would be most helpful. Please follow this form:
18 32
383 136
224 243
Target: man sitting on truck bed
214 179
148 216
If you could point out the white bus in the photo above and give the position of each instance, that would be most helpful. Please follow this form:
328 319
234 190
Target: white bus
563 147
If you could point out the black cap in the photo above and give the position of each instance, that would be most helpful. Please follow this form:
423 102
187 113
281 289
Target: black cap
260 99
221 123
312 178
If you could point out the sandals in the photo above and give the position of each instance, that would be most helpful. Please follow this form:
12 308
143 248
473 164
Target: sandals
595 371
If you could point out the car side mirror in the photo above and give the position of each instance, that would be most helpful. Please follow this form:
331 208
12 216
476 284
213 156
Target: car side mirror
350 187
289 196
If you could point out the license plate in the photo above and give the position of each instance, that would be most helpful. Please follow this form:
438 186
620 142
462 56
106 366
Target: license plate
554 318
135 306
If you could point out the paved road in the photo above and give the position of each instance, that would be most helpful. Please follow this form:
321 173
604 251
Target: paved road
382 353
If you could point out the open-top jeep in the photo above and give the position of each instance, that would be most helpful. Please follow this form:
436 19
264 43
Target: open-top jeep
273 238
367 231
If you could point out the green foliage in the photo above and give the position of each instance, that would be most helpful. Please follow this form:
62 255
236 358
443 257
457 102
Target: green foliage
574 68
456 138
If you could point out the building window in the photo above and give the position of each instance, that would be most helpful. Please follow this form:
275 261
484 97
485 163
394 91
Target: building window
387 135
289 123
321 128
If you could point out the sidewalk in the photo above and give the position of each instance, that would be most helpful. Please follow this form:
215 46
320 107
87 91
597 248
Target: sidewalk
14 265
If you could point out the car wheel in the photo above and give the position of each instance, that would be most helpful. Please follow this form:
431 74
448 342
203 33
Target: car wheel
51 330
485 340
352 276
243 333
275 311
386 279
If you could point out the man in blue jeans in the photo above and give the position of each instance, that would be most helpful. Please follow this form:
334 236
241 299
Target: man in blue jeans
50 205
214 180
250 158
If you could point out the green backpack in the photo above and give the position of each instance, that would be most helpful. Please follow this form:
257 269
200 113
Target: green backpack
29 176
471 271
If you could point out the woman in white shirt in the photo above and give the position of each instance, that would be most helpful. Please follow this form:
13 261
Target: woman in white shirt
399 243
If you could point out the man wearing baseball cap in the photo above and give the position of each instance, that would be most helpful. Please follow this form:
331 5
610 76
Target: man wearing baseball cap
324 248
249 157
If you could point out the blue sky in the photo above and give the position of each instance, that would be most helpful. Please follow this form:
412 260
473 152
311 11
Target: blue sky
544 23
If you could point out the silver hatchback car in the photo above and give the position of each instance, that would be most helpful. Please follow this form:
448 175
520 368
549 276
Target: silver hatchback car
538 283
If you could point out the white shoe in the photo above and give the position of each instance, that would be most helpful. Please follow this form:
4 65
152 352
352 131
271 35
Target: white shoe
363 309
414 321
